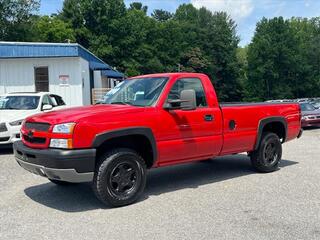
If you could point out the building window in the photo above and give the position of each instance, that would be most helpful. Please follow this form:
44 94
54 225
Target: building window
41 75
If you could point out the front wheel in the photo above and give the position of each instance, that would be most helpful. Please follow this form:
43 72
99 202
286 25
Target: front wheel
120 177
268 155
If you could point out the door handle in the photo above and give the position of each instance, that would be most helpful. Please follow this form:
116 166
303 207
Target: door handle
208 118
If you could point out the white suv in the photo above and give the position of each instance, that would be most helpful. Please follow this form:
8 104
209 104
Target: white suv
15 107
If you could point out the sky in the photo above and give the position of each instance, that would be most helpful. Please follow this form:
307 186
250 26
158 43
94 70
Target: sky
246 13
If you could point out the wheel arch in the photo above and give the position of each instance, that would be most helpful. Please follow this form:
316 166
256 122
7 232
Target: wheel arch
277 125
138 138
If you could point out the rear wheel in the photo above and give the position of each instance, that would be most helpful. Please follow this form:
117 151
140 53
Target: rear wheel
120 177
268 155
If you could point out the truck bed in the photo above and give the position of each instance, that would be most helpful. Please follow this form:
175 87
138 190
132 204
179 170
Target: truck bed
231 104
241 121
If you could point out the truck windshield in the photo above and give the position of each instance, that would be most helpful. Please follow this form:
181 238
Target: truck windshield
19 102
137 92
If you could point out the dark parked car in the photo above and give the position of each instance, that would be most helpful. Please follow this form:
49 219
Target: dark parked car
310 115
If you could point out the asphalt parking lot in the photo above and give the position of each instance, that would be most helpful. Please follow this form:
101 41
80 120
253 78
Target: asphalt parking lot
219 199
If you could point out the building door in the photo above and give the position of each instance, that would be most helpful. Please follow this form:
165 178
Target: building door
41 79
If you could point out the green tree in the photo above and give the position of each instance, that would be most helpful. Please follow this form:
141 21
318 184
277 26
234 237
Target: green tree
282 59
138 6
133 46
93 21
215 35
161 15
72 12
221 43
242 58
196 39
260 60
52 29
15 19
194 61
308 33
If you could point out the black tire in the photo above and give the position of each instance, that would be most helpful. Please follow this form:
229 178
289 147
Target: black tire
268 155
60 183
120 177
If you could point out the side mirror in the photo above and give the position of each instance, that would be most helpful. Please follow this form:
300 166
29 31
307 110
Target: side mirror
187 101
47 107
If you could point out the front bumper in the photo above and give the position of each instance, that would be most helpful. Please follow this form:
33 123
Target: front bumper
65 165
310 123
10 135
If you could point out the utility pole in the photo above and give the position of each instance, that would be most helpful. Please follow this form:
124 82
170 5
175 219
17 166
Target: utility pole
179 67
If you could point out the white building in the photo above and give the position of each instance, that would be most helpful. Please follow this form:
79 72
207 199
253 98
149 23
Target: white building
68 70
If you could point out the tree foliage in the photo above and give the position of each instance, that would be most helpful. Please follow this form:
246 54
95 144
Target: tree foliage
16 18
52 29
138 6
282 61
191 39
161 15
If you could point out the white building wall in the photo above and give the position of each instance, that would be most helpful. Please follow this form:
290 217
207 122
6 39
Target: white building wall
85 82
17 75
97 79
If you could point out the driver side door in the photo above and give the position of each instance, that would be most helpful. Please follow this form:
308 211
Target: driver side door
188 135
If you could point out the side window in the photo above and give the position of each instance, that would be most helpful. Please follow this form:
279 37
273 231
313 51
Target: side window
59 100
46 101
187 84
53 100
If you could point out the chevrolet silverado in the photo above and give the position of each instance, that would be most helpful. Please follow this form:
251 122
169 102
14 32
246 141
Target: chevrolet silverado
151 121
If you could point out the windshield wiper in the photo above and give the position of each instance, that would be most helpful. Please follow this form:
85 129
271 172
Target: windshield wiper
122 103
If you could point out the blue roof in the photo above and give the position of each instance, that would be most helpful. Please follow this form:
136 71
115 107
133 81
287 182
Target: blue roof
112 74
47 50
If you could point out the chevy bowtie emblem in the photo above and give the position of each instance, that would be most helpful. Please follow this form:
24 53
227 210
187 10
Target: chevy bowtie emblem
30 134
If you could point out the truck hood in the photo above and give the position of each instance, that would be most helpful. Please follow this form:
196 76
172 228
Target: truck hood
14 115
77 114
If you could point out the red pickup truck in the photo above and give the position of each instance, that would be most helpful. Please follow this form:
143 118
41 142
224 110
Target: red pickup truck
151 121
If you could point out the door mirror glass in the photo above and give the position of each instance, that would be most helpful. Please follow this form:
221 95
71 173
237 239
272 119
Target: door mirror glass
188 99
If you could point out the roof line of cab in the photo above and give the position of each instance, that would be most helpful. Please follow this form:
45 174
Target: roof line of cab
175 74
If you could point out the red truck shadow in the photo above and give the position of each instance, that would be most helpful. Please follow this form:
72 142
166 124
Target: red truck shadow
79 197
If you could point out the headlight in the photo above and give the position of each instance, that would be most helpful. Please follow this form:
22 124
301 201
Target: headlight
304 118
16 123
61 143
64 128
